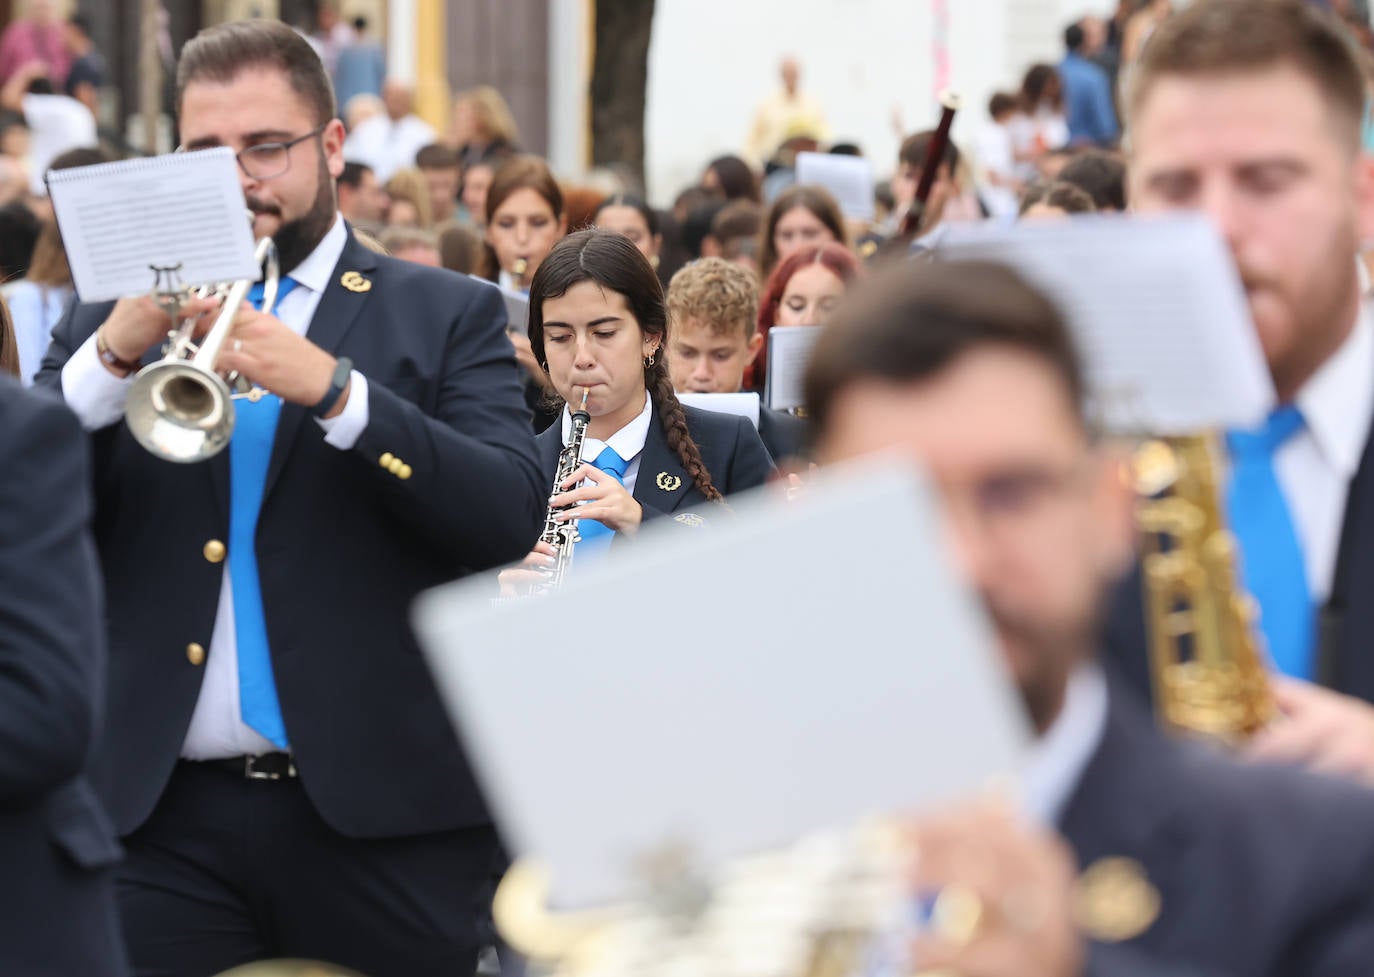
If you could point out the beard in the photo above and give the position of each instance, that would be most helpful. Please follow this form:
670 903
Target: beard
297 238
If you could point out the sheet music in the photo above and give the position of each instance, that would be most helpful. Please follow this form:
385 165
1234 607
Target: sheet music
739 404
848 178
789 350
597 754
1156 308
118 220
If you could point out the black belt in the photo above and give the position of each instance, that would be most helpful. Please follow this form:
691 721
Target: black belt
264 766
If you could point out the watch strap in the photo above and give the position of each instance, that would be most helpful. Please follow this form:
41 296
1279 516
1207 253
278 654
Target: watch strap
109 357
337 385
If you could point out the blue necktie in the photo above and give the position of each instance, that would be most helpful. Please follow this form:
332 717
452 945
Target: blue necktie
596 536
1271 558
255 426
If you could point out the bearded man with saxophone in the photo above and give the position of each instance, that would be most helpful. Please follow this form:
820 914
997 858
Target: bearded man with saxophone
1252 114
276 757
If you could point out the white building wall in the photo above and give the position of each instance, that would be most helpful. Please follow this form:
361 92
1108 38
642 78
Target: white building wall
711 61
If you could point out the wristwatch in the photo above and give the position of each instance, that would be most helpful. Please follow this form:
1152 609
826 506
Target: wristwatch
109 357
337 385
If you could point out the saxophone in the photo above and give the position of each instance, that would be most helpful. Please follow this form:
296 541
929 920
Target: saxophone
1208 669
562 536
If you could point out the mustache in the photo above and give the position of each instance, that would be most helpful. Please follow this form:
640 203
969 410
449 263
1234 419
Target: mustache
262 207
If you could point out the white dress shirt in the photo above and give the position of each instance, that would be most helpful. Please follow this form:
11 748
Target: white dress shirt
1316 465
628 442
97 397
1057 759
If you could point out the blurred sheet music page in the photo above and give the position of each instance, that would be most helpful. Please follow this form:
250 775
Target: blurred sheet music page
119 220
721 728
1157 309
848 178
744 404
789 350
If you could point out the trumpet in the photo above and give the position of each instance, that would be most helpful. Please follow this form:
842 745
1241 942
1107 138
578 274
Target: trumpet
180 408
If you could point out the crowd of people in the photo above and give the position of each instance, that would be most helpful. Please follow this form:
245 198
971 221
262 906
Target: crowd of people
219 742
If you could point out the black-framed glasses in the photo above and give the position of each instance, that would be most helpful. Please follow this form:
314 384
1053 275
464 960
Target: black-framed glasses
268 159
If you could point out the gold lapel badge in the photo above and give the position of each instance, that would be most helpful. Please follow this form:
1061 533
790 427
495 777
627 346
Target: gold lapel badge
668 483
355 282
1115 900
690 519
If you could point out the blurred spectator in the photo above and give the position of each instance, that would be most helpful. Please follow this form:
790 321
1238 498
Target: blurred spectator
89 73
801 217
331 35
1054 201
57 123
1101 175
408 200
732 178
785 114
633 218
735 234
782 168
362 66
38 300
476 182
361 200
696 229
1089 112
482 126
36 36
996 157
1040 127
952 194
414 244
443 177
359 108
460 248
389 142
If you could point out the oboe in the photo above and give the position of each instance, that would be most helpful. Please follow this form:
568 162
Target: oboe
563 536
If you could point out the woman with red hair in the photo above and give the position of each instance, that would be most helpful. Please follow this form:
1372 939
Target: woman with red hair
801 291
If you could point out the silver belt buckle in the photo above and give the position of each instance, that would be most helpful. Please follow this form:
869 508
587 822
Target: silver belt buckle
251 771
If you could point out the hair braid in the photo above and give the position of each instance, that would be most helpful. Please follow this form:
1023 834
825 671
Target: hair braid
675 429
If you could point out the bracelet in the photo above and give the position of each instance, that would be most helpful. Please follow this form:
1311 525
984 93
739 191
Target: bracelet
337 385
109 357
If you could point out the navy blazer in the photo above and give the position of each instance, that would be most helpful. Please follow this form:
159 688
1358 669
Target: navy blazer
343 543
1345 636
57 913
730 448
1263 871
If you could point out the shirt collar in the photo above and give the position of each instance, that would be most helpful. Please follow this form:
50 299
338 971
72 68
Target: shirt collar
313 273
1056 760
1337 403
627 442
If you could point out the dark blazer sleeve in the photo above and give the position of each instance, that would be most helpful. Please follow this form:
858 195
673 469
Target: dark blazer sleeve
475 482
750 465
50 610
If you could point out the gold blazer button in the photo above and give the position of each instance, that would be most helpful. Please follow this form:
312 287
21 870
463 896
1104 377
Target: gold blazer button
213 551
195 654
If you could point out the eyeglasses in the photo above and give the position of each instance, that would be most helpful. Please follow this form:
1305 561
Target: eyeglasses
269 159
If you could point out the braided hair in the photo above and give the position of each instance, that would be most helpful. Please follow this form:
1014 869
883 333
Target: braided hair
613 262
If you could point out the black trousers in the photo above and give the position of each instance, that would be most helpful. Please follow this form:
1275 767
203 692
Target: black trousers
229 870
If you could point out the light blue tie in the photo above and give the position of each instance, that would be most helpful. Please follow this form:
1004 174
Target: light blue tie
250 449
596 536
1271 558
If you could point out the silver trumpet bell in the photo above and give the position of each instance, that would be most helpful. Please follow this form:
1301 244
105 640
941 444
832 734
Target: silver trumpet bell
180 408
